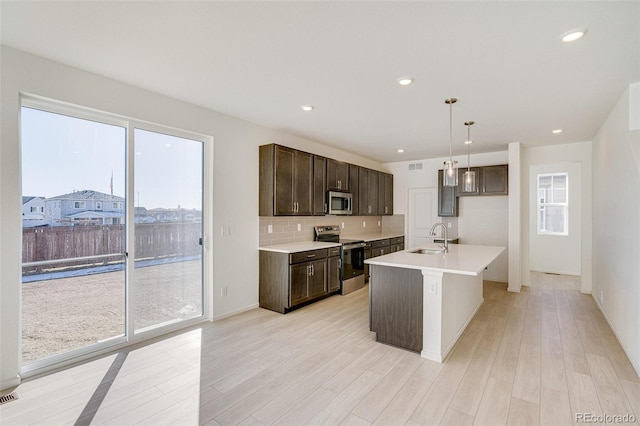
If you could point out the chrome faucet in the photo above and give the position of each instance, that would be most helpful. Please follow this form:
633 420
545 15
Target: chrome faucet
444 235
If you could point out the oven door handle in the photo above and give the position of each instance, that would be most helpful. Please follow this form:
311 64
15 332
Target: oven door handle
354 246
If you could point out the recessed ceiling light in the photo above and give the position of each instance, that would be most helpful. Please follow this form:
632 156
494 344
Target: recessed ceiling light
556 131
468 142
573 35
405 81
307 107
401 150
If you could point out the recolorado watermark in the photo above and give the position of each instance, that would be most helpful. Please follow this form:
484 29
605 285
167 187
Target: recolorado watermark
605 418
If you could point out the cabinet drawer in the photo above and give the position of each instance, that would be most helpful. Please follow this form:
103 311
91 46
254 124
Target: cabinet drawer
305 256
334 251
380 251
379 243
396 247
397 240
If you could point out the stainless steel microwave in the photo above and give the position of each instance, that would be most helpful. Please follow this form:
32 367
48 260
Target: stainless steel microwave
339 202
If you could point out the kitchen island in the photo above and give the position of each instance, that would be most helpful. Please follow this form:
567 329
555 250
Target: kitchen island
424 301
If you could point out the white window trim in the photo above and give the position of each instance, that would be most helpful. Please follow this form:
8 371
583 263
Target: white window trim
546 204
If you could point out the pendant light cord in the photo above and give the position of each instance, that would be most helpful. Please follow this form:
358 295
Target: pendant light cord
451 132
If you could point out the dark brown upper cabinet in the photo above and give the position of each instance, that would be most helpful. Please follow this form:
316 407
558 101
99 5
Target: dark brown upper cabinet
368 192
354 175
461 191
385 193
490 180
319 185
447 199
337 175
495 180
286 181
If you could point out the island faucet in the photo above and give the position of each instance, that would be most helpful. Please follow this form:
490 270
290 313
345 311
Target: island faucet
444 234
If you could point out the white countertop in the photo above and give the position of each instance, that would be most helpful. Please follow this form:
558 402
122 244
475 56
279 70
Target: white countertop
298 247
461 259
373 237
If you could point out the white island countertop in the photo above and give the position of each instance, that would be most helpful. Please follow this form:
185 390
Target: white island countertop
461 259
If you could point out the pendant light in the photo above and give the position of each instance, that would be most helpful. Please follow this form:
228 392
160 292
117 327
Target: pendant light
450 167
469 177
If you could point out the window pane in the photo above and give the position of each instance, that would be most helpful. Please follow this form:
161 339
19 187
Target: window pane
73 281
168 229
554 219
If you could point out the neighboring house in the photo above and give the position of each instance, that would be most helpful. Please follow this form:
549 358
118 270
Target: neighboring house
33 212
85 207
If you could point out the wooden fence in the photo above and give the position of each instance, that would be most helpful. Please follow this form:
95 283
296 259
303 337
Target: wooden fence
152 240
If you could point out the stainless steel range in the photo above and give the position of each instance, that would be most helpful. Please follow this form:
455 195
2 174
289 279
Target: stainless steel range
351 257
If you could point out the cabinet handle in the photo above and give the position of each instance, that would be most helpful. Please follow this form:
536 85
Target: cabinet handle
369 209
311 255
339 263
325 207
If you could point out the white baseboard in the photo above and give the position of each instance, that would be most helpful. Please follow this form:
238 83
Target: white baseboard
236 312
626 350
7 384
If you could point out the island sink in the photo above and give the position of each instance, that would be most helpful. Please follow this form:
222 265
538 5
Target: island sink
428 251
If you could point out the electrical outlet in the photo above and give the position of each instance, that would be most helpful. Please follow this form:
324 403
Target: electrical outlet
223 291
269 229
483 225
378 223
364 224
449 225
433 288
299 227
342 225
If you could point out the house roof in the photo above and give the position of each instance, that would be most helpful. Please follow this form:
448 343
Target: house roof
87 194
26 199
92 214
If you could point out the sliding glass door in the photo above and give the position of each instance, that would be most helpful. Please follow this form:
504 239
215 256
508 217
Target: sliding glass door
112 231
168 229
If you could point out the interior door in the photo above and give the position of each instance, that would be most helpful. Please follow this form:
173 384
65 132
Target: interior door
423 213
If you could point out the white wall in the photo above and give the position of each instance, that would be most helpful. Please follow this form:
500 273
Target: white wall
235 181
616 221
545 155
481 220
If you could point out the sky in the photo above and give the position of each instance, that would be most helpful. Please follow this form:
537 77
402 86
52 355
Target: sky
61 154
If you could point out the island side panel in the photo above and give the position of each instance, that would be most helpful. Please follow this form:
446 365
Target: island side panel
396 306
461 299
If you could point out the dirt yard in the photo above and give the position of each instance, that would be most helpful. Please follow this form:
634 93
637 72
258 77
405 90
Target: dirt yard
69 313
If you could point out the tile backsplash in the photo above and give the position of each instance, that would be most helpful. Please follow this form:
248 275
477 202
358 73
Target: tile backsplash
293 229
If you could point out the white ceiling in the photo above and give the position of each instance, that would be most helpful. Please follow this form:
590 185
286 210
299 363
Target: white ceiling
260 61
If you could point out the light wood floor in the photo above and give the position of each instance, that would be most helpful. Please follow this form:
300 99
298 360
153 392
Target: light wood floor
537 357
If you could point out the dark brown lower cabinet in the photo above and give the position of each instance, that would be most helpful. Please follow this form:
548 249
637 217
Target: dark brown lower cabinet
333 270
287 280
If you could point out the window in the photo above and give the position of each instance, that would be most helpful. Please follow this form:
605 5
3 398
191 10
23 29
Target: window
553 204
79 204
98 205
115 205
35 209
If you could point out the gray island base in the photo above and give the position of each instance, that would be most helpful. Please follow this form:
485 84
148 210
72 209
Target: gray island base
423 302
